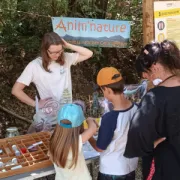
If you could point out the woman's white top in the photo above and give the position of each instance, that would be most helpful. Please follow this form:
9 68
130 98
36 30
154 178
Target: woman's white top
56 84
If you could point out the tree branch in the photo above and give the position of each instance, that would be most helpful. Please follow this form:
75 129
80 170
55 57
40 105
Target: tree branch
102 5
16 115
53 5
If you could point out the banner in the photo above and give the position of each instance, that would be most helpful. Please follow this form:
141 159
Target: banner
167 20
93 32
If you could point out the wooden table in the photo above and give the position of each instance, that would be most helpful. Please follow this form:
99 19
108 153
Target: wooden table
46 172
89 153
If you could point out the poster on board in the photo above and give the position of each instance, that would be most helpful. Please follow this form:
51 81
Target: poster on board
167 21
93 32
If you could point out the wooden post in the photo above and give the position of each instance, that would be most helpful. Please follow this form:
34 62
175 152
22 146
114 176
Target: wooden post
148 21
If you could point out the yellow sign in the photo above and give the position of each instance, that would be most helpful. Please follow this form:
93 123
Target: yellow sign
167 21
167 13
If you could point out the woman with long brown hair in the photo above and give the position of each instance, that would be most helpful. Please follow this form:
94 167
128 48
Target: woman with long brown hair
66 143
51 72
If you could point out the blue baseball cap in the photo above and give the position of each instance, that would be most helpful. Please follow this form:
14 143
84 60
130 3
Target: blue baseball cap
73 113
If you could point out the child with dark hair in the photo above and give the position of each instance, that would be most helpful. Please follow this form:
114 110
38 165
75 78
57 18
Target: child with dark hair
114 127
158 115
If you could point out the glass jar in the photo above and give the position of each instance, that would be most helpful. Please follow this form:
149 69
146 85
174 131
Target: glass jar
12 131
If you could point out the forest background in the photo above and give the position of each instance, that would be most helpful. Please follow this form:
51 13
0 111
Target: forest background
22 25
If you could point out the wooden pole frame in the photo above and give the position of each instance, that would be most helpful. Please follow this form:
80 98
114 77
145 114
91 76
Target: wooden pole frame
148 21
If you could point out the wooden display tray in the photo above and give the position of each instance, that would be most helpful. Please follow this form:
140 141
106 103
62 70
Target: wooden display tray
29 161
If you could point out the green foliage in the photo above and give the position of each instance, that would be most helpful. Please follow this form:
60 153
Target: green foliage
23 23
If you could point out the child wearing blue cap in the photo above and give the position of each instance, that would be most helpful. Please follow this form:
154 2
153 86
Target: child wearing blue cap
66 143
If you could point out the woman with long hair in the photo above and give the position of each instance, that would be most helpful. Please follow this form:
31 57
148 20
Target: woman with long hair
51 72
66 143
158 115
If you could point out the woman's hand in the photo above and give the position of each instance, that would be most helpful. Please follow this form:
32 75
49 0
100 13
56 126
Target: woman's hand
43 102
84 53
65 43
158 141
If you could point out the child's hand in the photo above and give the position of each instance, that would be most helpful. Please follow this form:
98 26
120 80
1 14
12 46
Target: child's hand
90 120
97 125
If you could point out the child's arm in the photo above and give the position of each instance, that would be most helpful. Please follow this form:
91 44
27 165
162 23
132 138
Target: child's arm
88 133
105 134
92 141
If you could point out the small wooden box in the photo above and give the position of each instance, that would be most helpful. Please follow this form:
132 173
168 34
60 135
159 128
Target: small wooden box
29 161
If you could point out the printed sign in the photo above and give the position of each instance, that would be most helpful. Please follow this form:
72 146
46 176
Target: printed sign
93 32
167 20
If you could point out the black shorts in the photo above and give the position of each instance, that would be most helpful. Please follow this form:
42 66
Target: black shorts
130 176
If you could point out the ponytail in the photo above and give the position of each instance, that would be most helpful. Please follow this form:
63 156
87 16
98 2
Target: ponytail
165 53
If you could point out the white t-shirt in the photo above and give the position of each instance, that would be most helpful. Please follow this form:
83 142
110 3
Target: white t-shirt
112 138
56 84
80 172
